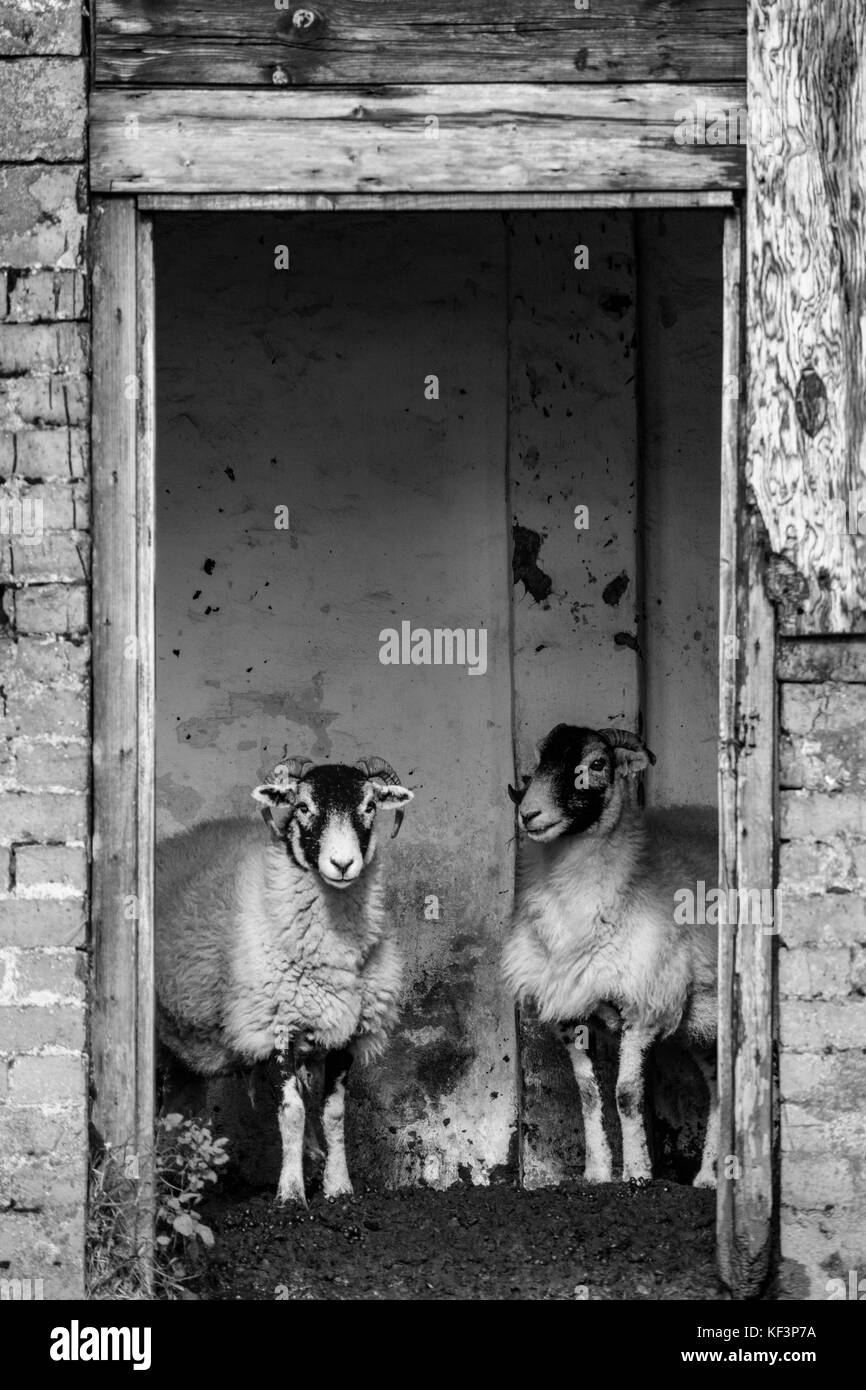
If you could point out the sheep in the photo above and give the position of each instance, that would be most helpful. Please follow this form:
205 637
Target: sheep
595 933
282 947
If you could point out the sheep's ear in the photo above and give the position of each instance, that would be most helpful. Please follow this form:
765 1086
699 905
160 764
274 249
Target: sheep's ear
630 761
390 795
269 795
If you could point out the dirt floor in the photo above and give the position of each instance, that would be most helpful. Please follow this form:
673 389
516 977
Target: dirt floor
652 1242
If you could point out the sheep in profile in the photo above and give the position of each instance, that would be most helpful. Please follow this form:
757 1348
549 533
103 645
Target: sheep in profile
280 944
595 935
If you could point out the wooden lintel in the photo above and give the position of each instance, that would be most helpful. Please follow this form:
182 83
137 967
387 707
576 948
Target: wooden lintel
338 42
505 138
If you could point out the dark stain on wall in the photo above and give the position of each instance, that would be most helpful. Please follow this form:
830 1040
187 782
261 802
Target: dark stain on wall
614 591
526 545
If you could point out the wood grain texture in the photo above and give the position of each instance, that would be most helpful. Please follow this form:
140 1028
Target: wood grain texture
504 138
807 304
115 679
346 42
426 202
145 1070
121 1019
747 800
747 988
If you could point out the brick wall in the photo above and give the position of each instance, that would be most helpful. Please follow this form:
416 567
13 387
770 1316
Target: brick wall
44 656
822 963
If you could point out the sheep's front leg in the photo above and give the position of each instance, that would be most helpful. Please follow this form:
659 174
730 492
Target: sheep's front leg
292 1125
706 1176
629 1102
597 1167
336 1181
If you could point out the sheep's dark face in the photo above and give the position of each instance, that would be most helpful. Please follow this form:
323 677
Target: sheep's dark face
578 783
327 818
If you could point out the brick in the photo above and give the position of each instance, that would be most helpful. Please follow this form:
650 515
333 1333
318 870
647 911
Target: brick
37 1245
812 867
807 974
42 816
42 116
43 347
42 711
7 454
42 922
827 919
51 400
43 216
47 976
5 870
40 26
812 1185
58 557
816 1252
54 660
858 969
52 453
46 1080
822 1130
30 508
25 1185
809 1027
31 1133
46 295
55 866
822 707
51 608
24 1029
810 815
822 660
66 767
4 1081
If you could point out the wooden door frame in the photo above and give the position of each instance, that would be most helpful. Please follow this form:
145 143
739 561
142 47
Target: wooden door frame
122 1021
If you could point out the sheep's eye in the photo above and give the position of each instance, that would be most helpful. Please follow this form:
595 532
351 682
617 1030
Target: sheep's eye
303 809
598 765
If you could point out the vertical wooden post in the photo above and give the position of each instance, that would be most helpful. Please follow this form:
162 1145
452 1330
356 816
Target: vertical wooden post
747 793
122 1017
806 304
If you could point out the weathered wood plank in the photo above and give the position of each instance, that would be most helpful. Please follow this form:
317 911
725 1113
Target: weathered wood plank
747 1147
747 785
426 202
347 42
145 1071
122 1014
507 137
807 305
115 677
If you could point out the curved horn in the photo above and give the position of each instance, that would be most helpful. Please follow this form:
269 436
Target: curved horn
378 767
294 767
624 738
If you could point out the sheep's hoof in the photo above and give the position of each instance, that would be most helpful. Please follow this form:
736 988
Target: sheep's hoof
640 1175
337 1187
705 1180
597 1172
290 1195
